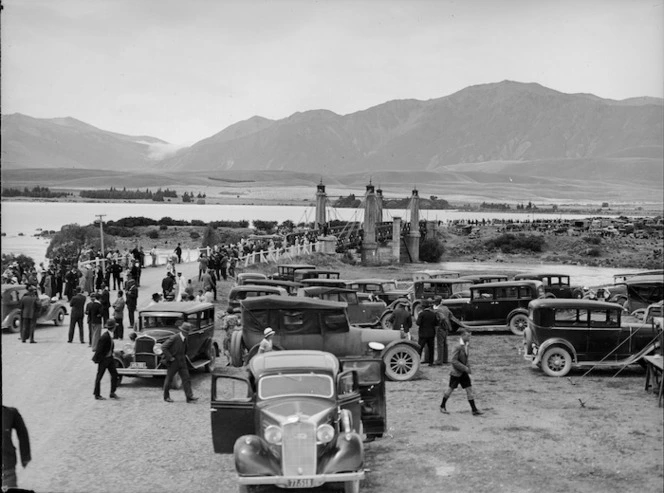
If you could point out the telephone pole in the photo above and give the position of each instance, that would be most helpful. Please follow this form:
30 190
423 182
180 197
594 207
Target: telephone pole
101 230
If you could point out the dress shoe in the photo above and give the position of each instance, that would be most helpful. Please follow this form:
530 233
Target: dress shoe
168 399
69 342
192 399
100 398
443 410
33 342
477 412
114 396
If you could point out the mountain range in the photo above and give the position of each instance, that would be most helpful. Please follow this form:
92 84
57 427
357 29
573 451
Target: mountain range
506 127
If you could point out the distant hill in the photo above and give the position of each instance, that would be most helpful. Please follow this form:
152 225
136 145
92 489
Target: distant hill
492 122
66 142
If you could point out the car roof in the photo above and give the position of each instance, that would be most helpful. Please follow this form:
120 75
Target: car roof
256 287
326 289
573 303
529 282
290 303
651 279
276 361
484 276
323 282
176 307
272 282
251 275
444 280
538 275
297 266
370 280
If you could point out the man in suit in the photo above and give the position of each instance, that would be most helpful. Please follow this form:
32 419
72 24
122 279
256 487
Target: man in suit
427 321
401 318
175 350
131 296
77 305
104 358
460 374
105 300
29 310
12 420
94 312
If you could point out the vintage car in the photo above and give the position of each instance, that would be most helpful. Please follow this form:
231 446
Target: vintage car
243 277
307 323
621 278
496 304
298 419
422 275
239 293
142 356
290 286
555 285
50 309
302 274
485 278
642 291
286 272
382 289
329 283
562 334
363 313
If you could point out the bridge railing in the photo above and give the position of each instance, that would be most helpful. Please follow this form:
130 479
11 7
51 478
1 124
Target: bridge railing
279 254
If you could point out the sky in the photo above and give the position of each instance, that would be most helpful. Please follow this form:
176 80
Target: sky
184 70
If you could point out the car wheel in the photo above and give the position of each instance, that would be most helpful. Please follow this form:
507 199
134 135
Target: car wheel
237 348
401 362
60 317
212 356
352 486
578 294
385 321
557 361
518 323
15 324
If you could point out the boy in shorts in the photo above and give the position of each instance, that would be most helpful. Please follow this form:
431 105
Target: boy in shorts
460 374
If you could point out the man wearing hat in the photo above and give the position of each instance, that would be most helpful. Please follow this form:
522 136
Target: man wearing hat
28 307
401 318
95 319
427 321
176 361
266 343
104 358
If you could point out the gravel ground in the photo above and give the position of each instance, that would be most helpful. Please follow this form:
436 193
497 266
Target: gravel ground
595 433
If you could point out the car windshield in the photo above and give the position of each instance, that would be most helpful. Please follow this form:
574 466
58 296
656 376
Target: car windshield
389 286
151 322
310 384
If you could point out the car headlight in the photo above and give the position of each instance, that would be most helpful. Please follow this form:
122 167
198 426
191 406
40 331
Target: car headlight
157 349
128 348
273 435
325 433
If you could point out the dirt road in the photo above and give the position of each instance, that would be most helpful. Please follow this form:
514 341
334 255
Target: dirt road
596 433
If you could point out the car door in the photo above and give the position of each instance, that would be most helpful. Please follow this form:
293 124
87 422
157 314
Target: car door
371 382
232 411
606 339
483 307
348 396
196 335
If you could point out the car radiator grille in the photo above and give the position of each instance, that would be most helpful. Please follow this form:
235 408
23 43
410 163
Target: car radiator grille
299 449
144 351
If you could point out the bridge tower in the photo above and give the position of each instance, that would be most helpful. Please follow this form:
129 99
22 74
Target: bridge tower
379 203
369 244
321 201
413 236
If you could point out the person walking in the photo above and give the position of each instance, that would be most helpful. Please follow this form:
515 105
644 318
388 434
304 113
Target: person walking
29 309
174 354
426 323
94 312
104 358
266 344
460 374
12 420
118 316
116 271
77 305
153 256
178 252
401 318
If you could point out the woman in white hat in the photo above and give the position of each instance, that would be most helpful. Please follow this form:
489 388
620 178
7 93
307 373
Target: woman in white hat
266 343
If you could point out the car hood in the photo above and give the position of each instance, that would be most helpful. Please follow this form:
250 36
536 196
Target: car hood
159 334
305 408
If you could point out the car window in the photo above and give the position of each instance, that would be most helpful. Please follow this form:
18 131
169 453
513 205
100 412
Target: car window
293 322
604 318
483 294
508 292
369 372
207 317
272 386
150 322
571 317
231 389
525 293
334 322
346 384
372 288
389 286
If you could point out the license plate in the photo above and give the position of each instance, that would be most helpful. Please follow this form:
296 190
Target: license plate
139 365
300 483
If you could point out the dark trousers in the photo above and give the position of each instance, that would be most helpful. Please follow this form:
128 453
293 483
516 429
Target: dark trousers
106 364
72 327
28 328
131 308
119 329
174 368
117 281
427 342
441 345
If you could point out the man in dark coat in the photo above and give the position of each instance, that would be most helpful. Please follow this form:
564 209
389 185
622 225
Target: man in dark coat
29 310
104 358
77 305
131 296
178 252
71 282
401 318
105 300
115 269
427 321
174 354
94 312
12 420
167 285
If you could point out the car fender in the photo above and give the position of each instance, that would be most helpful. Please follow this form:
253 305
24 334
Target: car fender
52 310
516 311
254 458
9 316
556 341
400 341
348 455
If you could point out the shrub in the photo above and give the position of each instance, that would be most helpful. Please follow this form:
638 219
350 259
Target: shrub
431 250
592 240
194 235
593 252
509 242
153 234
163 227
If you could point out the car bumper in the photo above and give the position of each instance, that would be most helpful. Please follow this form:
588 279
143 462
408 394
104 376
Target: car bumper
142 372
302 481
